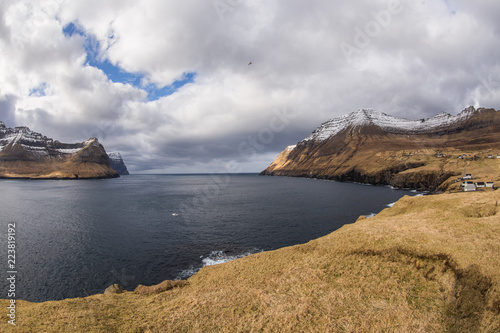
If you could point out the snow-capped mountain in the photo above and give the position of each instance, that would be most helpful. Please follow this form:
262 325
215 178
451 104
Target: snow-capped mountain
117 163
368 146
28 154
35 145
363 117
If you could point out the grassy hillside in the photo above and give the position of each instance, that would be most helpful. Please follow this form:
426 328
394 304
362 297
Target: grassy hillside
428 264
376 154
389 159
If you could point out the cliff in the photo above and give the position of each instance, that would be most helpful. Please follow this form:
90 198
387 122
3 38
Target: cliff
118 164
30 155
371 147
428 264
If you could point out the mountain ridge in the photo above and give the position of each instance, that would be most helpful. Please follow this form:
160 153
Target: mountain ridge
28 154
117 163
364 117
368 146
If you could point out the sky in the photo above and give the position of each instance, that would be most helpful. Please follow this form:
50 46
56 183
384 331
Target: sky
199 86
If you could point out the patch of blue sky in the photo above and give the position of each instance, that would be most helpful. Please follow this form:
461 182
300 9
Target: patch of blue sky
117 74
70 29
39 91
155 93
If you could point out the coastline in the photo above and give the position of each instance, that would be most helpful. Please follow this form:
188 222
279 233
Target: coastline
61 178
442 245
333 179
275 212
404 183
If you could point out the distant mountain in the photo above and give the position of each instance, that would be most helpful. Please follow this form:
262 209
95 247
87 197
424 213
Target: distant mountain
27 154
117 163
390 124
372 147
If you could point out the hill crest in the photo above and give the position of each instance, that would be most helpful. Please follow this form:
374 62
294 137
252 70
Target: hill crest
364 117
368 146
28 154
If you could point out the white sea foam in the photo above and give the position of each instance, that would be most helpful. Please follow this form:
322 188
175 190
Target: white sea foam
220 257
214 258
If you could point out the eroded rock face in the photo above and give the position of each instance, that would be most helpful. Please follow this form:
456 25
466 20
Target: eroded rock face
118 164
114 289
371 147
28 154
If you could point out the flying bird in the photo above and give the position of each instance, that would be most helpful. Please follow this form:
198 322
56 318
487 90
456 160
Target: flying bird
249 63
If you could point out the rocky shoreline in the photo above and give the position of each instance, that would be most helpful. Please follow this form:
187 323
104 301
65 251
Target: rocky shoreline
75 177
429 181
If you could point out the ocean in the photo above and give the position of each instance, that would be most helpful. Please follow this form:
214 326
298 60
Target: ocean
74 238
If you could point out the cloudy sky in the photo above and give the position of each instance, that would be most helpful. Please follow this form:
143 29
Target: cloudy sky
169 84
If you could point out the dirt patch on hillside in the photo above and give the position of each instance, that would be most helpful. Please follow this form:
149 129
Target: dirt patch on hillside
467 300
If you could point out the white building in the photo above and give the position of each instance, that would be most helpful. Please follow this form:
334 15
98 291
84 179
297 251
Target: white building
468 186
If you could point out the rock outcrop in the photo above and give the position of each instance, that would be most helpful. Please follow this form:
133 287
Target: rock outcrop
371 147
114 289
117 164
27 154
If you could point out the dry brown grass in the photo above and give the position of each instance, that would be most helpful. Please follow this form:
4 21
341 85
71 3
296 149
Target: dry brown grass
428 264
159 288
398 160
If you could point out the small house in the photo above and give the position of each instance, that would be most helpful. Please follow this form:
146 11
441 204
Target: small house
490 156
480 185
469 186
466 183
490 184
467 176
498 156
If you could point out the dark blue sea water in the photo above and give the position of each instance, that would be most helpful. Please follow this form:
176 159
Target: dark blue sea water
75 238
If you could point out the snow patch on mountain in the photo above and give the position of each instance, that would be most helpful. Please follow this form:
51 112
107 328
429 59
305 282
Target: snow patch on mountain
37 144
117 163
29 140
115 156
363 117
69 150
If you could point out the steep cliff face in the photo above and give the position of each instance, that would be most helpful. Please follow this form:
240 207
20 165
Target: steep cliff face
371 147
117 163
27 154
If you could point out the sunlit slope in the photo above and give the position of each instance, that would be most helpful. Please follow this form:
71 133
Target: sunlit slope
371 147
428 264
28 154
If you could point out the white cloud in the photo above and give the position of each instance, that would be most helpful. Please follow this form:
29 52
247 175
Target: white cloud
422 58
